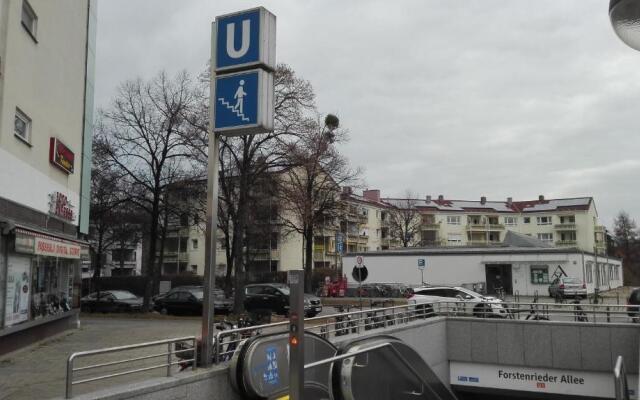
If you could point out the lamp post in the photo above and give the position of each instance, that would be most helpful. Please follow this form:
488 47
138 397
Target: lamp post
625 19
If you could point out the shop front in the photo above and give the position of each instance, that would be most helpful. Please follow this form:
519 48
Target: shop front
42 292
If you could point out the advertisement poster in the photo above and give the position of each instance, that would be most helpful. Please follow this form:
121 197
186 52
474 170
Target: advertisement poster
18 291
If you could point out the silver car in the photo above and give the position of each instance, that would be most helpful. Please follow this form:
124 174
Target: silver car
567 287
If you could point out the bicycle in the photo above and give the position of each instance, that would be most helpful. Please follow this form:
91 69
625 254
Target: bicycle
534 313
578 313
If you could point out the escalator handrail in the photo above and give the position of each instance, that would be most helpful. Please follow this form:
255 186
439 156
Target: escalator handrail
620 377
369 349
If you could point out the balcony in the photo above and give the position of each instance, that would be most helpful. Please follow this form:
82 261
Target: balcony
566 242
485 227
264 254
430 226
565 227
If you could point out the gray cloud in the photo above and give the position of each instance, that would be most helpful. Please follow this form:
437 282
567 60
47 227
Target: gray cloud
459 97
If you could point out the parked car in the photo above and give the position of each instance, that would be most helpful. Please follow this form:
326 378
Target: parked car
111 301
189 300
274 297
472 303
567 286
634 300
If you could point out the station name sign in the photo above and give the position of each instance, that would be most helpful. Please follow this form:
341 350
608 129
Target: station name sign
539 380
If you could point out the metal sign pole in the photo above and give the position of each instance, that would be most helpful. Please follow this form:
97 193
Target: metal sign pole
212 221
296 334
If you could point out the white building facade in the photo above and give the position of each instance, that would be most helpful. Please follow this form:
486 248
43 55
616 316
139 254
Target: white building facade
47 52
523 270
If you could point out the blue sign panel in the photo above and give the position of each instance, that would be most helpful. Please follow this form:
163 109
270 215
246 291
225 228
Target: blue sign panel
236 99
271 374
339 243
421 263
238 39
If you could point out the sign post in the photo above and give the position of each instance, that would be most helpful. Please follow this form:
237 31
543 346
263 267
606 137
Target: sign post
295 279
421 266
240 103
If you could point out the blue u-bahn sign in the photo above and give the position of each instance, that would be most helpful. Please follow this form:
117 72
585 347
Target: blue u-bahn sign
244 58
245 39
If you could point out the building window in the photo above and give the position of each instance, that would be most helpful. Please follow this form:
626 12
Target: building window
540 274
543 220
511 221
527 220
453 219
22 126
194 243
589 273
568 236
545 237
29 19
454 239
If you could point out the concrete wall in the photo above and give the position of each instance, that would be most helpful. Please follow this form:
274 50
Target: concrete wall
576 346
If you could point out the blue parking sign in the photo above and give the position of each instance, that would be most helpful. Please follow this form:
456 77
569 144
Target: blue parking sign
245 39
241 102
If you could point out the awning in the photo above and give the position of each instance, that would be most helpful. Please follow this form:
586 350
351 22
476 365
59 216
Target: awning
30 241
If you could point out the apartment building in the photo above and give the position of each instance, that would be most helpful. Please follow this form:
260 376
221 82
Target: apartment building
46 114
571 222
366 224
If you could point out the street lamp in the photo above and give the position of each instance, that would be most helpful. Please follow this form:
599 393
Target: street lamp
625 19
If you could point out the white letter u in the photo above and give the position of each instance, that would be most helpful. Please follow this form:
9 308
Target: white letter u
246 36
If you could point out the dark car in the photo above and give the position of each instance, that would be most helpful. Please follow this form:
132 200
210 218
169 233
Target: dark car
111 301
274 297
188 300
633 305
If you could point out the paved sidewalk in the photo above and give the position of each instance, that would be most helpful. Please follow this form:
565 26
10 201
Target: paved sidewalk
39 372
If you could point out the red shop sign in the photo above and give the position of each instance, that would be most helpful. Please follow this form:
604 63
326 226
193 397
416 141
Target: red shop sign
61 156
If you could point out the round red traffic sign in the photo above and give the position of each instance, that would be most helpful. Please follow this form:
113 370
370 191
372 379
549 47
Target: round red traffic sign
359 260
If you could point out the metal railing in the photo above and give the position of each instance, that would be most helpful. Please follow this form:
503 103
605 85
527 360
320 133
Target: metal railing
363 320
168 362
620 379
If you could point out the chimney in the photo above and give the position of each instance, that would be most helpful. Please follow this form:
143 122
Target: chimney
440 197
347 190
509 201
373 195
428 198
483 200
541 198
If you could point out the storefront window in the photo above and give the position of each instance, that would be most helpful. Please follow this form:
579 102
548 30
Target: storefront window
52 283
540 274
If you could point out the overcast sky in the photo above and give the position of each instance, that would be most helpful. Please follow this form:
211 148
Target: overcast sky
456 97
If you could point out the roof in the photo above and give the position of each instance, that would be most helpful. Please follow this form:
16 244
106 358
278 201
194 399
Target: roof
474 250
529 206
515 239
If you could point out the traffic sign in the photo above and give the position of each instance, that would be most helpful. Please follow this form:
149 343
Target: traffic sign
244 103
421 264
359 260
245 39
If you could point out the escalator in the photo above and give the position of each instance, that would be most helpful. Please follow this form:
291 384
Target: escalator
375 368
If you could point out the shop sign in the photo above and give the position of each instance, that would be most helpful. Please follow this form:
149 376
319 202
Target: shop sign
61 156
18 291
46 247
539 380
60 206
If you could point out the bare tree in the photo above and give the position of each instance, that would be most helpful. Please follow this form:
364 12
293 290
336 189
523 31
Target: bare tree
244 160
404 222
143 135
309 189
